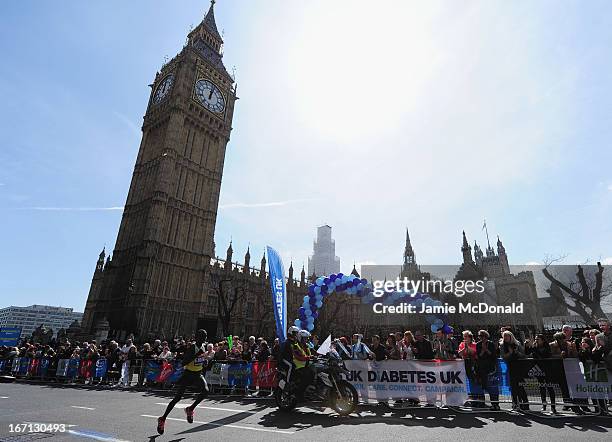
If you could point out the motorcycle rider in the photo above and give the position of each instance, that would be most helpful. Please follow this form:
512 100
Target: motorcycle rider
301 357
286 351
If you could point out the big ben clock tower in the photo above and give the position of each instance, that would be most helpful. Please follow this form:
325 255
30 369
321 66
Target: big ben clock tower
154 282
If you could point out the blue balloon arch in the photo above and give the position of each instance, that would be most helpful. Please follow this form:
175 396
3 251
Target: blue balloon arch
325 286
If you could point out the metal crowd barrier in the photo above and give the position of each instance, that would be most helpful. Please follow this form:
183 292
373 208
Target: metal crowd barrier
530 380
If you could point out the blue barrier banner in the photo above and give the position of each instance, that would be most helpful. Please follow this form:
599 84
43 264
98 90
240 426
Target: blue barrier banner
9 336
239 375
279 292
43 367
73 368
101 368
152 370
176 374
496 382
24 363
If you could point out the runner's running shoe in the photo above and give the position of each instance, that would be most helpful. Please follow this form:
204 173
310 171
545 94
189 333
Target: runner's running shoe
189 413
161 423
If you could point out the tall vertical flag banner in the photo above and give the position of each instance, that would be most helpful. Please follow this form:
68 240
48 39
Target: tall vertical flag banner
279 292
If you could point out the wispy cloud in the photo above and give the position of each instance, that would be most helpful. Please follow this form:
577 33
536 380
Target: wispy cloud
129 123
610 187
72 209
258 205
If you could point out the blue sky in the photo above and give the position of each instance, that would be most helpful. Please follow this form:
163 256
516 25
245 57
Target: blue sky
380 115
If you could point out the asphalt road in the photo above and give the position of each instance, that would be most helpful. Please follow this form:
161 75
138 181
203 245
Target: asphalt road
117 415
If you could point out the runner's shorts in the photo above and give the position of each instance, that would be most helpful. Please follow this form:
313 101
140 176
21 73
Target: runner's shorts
193 379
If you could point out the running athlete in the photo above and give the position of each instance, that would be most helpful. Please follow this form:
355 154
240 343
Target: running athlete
194 361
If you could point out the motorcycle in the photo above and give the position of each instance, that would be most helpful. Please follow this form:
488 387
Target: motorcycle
328 387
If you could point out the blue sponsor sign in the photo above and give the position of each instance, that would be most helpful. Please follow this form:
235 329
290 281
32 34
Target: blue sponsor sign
239 375
9 336
152 370
496 382
176 374
101 368
73 368
279 292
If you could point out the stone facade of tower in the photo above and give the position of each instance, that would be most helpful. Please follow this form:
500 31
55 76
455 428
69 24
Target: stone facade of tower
164 247
324 260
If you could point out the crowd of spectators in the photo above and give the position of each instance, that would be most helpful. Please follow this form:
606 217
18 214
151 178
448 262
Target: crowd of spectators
481 351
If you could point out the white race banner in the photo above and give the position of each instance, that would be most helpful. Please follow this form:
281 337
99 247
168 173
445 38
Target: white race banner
588 380
428 381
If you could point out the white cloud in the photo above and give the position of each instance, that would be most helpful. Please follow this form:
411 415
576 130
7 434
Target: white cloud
607 261
533 263
610 187
128 123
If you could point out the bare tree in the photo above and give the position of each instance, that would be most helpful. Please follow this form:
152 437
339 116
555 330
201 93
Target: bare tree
583 295
228 299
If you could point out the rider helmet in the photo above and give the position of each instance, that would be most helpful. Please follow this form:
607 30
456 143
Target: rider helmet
293 331
303 335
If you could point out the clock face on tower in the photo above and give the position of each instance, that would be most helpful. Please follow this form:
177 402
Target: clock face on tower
209 96
163 88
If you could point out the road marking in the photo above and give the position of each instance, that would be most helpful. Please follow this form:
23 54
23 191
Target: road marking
209 408
240 427
96 436
4 397
82 408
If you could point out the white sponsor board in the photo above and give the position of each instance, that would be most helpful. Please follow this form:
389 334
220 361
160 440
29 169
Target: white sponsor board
428 381
588 380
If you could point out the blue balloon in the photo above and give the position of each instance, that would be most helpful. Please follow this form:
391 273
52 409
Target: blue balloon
306 298
317 290
303 316
310 320
313 301
311 288
323 289
332 277
298 323
434 328
319 304
315 315
331 287
319 281
326 281
308 311
438 322
340 275
310 327
301 310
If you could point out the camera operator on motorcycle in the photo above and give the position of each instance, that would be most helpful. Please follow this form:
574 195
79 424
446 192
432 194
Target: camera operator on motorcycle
305 373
